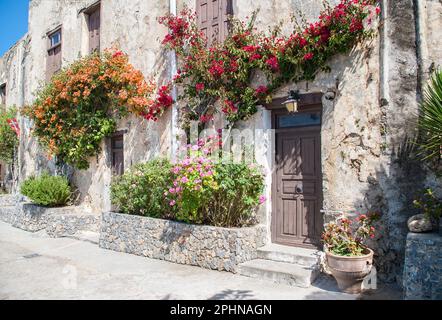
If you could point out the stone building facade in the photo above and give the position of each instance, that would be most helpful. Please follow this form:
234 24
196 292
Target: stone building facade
369 103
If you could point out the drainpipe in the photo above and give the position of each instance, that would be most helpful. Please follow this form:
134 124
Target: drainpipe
173 72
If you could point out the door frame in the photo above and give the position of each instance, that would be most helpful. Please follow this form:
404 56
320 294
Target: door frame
308 102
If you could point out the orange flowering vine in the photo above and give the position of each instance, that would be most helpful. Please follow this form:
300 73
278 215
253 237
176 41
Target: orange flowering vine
82 103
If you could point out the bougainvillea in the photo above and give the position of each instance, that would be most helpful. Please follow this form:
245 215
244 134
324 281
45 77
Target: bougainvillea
9 133
222 73
82 103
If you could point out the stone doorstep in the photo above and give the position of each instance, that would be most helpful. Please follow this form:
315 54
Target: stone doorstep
295 255
284 264
279 272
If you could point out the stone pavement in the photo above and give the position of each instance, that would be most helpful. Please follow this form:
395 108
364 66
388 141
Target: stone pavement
34 266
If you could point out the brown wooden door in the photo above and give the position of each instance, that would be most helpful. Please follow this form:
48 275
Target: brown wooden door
94 31
297 192
213 18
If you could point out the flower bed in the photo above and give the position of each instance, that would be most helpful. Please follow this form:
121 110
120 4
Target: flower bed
204 246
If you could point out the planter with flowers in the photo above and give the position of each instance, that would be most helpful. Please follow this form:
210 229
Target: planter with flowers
199 210
348 257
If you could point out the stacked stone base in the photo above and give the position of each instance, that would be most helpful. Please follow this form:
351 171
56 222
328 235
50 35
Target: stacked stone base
204 246
57 222
422 278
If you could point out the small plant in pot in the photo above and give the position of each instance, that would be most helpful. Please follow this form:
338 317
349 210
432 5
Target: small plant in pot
348 257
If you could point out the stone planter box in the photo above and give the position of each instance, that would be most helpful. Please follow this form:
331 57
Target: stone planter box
58 222
203 246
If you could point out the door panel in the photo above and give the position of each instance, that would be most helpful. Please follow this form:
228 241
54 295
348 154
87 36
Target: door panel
296 217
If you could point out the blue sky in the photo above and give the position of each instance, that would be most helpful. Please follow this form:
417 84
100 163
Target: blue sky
13 22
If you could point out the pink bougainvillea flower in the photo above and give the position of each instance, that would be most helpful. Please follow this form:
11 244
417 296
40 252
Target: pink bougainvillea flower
308 56
262 199
199 86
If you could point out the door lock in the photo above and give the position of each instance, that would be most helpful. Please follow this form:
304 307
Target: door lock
298 189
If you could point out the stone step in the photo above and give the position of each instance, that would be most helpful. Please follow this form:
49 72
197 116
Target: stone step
279 272
280 253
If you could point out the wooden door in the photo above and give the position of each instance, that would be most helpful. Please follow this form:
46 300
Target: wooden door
297 179
94 30
213 18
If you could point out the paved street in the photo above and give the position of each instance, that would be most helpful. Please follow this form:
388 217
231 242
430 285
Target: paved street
33 266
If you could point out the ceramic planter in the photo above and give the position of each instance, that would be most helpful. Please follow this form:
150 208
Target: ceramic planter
349 272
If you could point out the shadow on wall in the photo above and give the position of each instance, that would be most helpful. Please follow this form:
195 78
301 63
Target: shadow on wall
391 192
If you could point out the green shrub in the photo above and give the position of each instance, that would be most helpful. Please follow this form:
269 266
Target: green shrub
46 190
239 193
140 191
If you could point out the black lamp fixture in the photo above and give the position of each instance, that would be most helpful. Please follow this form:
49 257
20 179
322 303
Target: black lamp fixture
291 103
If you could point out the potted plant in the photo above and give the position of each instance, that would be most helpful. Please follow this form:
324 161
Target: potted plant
431 208
348 258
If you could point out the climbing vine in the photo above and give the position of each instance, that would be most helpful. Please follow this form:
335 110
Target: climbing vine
218 78
82 103
9 133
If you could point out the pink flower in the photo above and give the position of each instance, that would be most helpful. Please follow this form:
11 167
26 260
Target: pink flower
378 10
172 190
262 199
272 62
184 180
261 90
172 203
255 56
199 87
308 56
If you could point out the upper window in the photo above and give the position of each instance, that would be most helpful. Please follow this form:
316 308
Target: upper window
3 94
53 63
213 18
93 17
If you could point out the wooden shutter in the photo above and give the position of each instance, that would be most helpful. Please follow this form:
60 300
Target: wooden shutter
213 16
53 61
94 30
117 154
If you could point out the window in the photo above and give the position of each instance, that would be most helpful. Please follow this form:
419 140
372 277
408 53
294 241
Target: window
3 94
93 17
117 154
53 63
301 119
213 18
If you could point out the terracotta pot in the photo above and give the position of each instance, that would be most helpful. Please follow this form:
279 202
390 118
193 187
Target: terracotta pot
349 272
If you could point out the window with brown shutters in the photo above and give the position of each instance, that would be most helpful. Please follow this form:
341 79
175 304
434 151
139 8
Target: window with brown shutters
94 29
213 18
117 154
53 62
3 94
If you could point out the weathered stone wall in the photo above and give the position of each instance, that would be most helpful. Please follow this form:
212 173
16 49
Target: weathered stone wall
204 246
423 267
57 222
